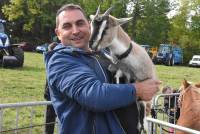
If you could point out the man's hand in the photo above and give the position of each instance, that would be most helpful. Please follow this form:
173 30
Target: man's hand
145 90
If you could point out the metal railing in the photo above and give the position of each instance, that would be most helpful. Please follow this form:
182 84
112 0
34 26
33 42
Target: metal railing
29 112
165 115
25 117
162 124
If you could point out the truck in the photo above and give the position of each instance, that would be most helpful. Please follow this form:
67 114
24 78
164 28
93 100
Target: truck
152 51
169 55
11 55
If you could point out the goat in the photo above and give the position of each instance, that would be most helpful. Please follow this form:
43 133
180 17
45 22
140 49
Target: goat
127 58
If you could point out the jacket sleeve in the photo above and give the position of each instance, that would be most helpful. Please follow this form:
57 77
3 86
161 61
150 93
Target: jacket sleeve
76 80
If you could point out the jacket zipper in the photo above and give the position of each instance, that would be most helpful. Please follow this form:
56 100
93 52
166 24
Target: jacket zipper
106 81
93 125
119 123
101 68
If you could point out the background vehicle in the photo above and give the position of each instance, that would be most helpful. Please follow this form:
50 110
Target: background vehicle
195 61
10 55
152 51
169 55
25 46
42 48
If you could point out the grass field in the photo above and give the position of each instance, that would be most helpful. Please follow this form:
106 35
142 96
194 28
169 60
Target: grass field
23 84
27 83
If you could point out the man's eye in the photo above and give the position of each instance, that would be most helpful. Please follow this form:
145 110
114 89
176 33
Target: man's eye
66 26
81 23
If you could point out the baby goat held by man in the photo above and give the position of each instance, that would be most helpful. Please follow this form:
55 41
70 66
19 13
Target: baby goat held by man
127 58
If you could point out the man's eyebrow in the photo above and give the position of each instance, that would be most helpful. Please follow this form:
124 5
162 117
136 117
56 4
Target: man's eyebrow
80 20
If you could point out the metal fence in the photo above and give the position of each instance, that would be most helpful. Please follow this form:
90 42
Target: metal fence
163 125
29 117
165 112
24 118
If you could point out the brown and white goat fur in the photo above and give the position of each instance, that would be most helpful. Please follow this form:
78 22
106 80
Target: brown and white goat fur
106 32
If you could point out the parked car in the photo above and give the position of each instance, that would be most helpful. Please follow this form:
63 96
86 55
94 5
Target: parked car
42 48
27 46
195 61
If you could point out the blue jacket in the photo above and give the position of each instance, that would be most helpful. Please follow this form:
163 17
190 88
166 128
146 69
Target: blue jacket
81 95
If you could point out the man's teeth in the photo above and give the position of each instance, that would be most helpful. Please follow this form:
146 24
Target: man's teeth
77 38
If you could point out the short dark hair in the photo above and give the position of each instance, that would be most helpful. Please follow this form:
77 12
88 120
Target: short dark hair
165 89
65 7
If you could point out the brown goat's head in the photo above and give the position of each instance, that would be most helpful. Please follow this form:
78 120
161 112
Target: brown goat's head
104 28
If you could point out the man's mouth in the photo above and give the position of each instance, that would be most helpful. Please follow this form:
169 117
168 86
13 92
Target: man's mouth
76 38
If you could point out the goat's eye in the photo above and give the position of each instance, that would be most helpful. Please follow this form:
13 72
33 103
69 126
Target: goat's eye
99 19
96 22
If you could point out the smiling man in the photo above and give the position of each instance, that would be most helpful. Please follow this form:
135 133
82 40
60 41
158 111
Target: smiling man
81 94
73 28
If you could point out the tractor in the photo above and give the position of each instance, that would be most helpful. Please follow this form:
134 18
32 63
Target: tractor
11 55
169 55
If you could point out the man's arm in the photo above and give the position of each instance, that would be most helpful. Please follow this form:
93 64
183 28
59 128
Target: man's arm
79 82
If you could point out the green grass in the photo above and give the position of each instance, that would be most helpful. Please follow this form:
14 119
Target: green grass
174 75
23 84
27 83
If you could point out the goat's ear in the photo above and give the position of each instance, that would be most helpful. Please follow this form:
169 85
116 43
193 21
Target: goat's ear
186 83
197 85
91 17
123 20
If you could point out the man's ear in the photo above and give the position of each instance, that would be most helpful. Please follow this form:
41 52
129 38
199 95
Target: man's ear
57 33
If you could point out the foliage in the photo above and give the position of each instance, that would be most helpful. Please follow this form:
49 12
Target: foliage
185 28
151 24
34 20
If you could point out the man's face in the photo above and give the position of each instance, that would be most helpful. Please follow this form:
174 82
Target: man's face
168 91
73 29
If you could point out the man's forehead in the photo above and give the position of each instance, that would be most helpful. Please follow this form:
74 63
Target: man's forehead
72 15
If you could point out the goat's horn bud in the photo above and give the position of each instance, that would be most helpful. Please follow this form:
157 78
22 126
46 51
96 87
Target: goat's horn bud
108 11
98 10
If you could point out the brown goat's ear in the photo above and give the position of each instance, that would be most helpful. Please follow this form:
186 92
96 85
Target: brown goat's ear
186 83
123 20
197 85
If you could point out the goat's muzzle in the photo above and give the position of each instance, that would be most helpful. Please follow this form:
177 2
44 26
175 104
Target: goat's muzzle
92 46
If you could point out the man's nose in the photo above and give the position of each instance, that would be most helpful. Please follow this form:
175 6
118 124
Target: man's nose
75 29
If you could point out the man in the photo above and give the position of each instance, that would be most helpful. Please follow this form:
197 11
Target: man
83 99
50 113
171 105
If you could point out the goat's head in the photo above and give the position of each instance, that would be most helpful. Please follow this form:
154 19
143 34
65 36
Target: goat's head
104 28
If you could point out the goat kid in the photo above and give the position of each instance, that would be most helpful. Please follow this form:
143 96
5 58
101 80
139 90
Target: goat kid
127 58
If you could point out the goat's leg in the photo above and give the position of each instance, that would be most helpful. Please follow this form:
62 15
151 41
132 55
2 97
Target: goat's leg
118 75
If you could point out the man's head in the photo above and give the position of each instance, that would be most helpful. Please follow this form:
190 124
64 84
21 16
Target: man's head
72 26
167 90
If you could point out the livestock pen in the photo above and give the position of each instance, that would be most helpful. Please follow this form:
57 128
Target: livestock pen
27 118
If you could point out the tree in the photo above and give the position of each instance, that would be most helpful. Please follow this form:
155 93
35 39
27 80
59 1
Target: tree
185 29
34 20
150 24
